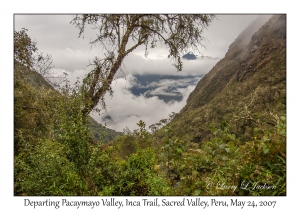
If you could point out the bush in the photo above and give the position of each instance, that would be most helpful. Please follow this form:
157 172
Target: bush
44 170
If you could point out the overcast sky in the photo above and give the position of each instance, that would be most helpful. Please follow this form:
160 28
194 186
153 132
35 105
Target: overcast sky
56 36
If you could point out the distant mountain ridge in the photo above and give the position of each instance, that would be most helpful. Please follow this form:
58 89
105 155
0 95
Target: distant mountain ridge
189 56
192 56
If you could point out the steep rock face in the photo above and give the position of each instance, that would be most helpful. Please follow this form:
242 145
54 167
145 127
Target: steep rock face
247 88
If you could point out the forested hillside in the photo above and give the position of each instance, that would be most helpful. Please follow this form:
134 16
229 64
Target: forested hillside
229 139
247 88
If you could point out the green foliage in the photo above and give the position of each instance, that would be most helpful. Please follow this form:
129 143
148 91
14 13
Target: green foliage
101 132
44 170
131 141
113 176
172 153
24 49
32 110
72 128
141 177
51 143
51 135
265 157
254 168
226 161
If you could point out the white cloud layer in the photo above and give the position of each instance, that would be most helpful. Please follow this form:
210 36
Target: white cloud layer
126 109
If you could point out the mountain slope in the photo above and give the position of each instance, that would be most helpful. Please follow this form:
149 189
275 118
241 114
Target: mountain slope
97 130
247 88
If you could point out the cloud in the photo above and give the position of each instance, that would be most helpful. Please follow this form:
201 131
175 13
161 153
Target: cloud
161 91
126 109
71 76
137 64
168 87
57 37
71 59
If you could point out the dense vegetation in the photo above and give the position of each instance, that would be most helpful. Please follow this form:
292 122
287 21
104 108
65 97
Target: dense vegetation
207 149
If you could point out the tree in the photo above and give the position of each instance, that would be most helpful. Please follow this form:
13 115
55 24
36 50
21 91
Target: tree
177 32
28 58
24 49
